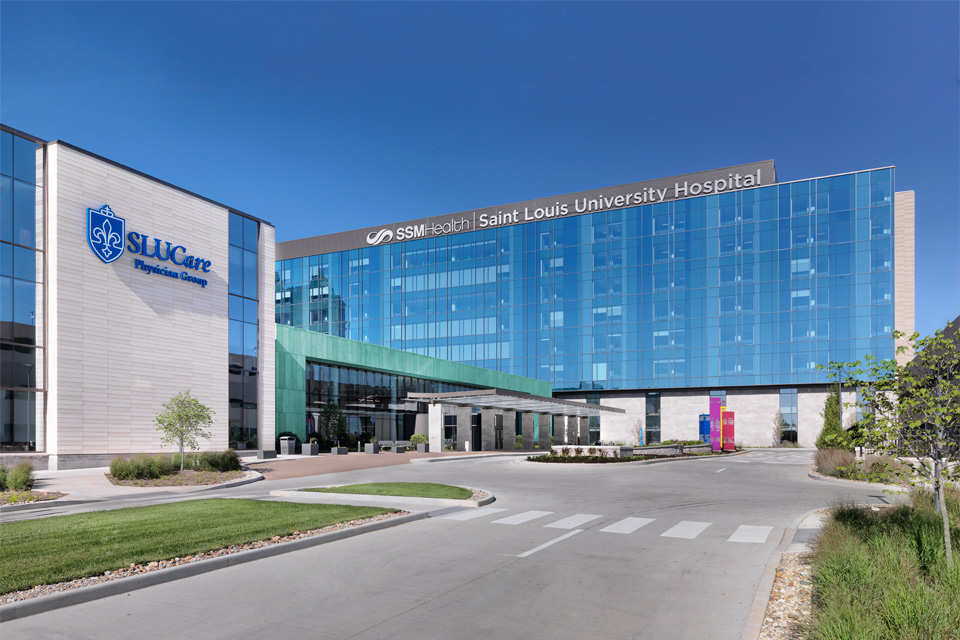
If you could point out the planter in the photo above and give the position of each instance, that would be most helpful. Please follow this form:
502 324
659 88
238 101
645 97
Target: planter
626 452
338 451
266 455
423 447
310 449
399 448
371 447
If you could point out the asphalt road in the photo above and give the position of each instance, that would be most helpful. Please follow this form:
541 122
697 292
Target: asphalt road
672 550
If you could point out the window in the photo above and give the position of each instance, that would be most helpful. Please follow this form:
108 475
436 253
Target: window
788 414
243 338
652 435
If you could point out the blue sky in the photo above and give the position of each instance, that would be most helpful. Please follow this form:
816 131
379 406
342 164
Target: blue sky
322 117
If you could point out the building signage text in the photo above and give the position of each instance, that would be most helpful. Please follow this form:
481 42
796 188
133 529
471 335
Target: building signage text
105 232
579 205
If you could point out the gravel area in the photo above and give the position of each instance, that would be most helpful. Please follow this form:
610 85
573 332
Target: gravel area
21 497
789 609
478 494
136 569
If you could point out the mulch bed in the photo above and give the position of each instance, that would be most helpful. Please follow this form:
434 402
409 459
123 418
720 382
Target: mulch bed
185 478
21 497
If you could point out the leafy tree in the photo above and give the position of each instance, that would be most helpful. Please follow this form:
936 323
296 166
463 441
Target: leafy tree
333 420
832 435
778 425
915 411
182 421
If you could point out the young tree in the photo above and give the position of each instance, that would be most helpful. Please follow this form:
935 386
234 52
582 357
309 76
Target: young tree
832 435
778 424
182 421
915 411
637 430
333 420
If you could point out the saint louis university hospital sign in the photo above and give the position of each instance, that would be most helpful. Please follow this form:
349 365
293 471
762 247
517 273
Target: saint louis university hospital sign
653 192
105 235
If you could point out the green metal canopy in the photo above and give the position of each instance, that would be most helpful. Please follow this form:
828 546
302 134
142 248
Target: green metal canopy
514 401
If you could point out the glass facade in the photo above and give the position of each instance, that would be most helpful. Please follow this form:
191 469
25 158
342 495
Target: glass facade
244 331
21 293
788 413
373 403
753 287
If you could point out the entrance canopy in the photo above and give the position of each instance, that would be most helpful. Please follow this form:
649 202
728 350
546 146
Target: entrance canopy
515 401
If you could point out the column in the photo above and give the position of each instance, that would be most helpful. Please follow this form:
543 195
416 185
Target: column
584 431
435 426
509 430
487 425
559 430
527 430
544 439
464 432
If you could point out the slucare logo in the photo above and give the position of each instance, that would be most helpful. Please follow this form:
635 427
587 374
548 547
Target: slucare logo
579 205
105 233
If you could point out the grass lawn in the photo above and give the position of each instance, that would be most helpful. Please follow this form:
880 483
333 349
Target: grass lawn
60 548
883 574
408 489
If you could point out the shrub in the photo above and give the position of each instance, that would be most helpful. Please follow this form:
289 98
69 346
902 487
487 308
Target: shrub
832 435
3 478
829 462
20 478
519 442
419 438
142 466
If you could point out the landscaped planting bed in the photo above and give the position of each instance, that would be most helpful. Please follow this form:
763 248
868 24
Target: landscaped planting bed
406 489
882 574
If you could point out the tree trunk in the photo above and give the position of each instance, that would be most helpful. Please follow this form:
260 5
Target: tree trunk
181 456
942 503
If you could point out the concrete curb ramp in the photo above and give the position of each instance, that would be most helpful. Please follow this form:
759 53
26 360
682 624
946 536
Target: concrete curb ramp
68 598
395 502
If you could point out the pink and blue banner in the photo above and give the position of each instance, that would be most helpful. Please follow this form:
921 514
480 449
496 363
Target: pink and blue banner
727 430
715 423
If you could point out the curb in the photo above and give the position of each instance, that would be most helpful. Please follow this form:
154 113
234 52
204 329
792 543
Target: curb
639 462
42 604
480 455
395 502
856 483
758 609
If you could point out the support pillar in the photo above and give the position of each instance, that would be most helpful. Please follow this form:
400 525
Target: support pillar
435 426
464 431
488 419
544 440
509 430
584 431
559 430
527 430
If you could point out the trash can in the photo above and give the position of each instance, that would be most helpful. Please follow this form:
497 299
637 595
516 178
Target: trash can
288 445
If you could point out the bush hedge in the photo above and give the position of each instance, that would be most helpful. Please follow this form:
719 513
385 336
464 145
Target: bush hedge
143 467
19 478
418 438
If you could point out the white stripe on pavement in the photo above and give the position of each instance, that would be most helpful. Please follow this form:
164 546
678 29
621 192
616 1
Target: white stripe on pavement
746 533
473 513
520 518
719 470
686 529
572 521
547 544
627 525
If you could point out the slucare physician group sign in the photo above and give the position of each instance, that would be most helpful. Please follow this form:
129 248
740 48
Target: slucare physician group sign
105 235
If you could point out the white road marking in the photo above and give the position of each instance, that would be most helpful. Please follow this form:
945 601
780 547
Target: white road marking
686 529
520 518
572 521
547 544
746 533
473 513
627 525
719 470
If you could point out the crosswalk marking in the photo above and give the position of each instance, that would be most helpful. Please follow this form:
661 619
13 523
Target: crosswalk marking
747 533
686 529
550 542
627 525
520 518
474 513
573 521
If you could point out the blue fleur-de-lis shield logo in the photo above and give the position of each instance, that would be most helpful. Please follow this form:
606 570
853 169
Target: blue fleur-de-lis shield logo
105 233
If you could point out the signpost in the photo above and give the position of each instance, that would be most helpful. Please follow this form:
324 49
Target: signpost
715 423
705 427
727 431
